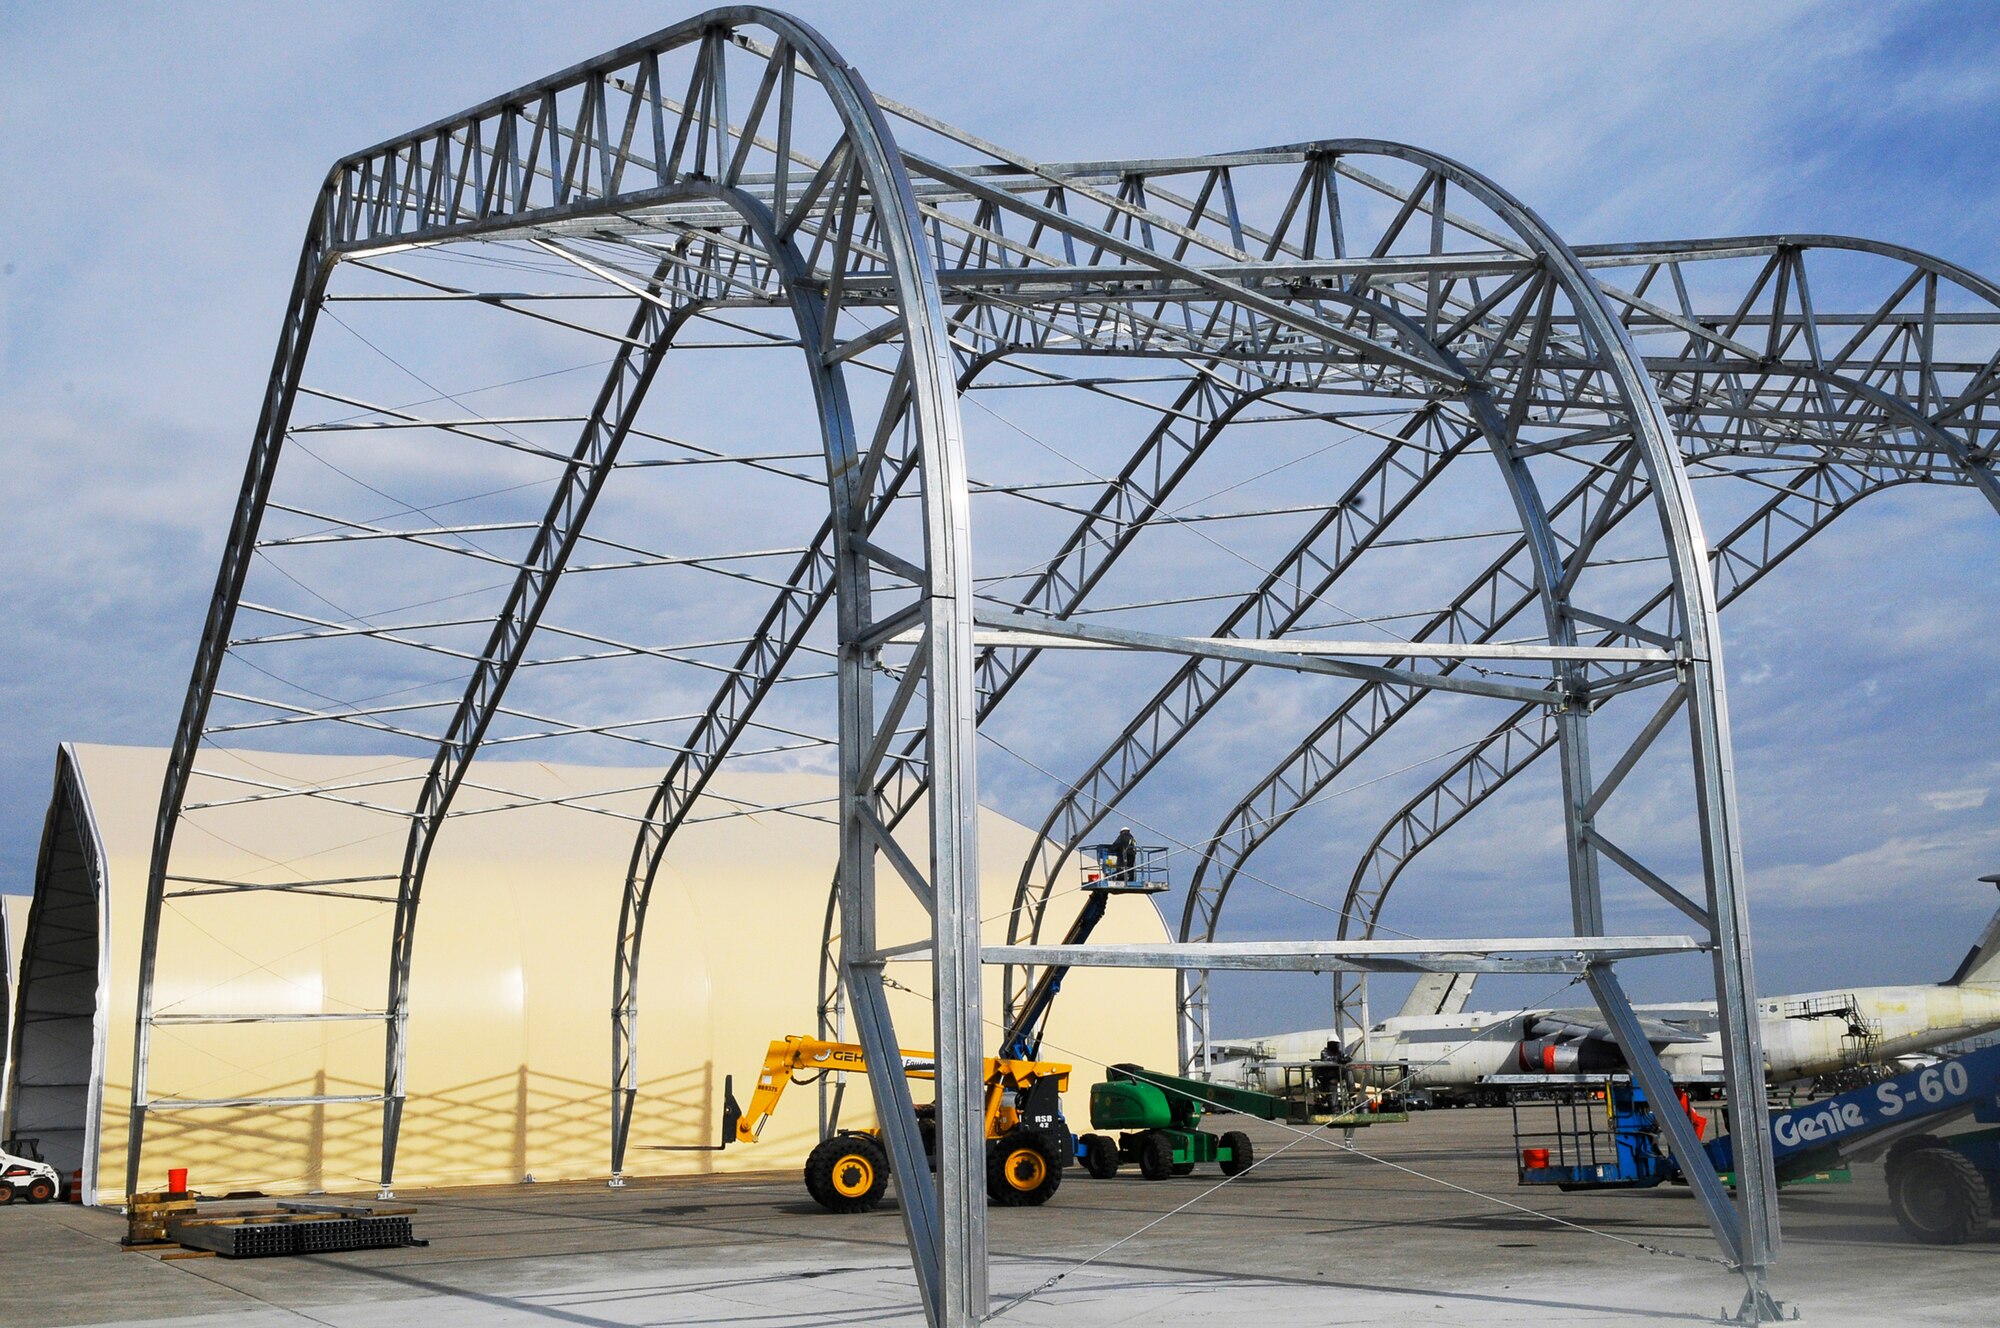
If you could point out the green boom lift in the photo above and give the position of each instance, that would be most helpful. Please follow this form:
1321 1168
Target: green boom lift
1159 1117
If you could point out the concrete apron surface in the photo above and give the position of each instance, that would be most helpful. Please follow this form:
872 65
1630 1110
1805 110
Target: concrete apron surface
1313 1235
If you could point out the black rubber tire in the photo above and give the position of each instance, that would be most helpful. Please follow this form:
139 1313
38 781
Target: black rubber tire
41 1189
848 1173
1938 1196
1911 1141
815 1177
1156 1156
1184 1168
1241 1156
6 1194
1023 1170
1100 1156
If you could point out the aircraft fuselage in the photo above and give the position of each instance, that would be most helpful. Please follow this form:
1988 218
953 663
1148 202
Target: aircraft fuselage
1810 1034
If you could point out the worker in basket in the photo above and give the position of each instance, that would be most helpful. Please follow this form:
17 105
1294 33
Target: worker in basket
1124 863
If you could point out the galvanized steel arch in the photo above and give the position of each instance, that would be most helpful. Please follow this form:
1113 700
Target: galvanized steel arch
397 194
1698 635
795 609
1364 901
1973 467
1969 409
1978 466
435 186
1137 750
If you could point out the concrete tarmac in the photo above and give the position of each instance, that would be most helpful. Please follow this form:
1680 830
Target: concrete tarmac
1424 1231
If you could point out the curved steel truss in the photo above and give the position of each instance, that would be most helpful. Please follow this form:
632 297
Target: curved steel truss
1888 408
1363 372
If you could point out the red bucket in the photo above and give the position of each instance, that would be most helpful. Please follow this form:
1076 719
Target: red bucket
177 1180
1535 1159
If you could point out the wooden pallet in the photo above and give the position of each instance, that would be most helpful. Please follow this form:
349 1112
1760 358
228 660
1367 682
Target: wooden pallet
147 1215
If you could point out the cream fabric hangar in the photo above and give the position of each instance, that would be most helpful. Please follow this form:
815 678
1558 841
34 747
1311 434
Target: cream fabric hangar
511 991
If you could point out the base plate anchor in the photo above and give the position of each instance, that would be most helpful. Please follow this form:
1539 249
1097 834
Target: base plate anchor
1759 1306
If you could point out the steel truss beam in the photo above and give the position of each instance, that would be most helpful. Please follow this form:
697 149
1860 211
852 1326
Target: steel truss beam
1521 954
1651 452
481 173
1387 279
1757 547
1858 403
618 402
1275 607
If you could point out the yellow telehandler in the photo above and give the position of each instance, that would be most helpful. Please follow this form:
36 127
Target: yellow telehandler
1027 1141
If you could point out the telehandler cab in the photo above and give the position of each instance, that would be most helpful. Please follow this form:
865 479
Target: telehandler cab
1027 1141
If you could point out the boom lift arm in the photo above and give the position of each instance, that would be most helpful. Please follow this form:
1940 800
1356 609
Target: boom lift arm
1104 876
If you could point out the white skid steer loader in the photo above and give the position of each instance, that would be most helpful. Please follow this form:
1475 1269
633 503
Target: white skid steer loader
23 1174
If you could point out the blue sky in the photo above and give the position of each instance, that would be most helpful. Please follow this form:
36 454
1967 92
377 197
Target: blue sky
161 164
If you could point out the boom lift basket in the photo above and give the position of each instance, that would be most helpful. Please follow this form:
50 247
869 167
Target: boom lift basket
1346 1094
1101 871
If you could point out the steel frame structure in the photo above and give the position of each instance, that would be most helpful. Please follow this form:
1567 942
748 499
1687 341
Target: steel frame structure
1375 288
1869 388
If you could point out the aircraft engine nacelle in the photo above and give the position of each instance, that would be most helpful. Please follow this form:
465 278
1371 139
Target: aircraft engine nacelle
1587 1056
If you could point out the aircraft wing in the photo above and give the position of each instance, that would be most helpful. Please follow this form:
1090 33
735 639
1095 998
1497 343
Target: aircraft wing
1663 1027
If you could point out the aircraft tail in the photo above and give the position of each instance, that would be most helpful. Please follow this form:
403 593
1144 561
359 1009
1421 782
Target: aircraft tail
1982 963
1439 993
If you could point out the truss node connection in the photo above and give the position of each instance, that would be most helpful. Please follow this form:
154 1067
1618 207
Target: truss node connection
1284 444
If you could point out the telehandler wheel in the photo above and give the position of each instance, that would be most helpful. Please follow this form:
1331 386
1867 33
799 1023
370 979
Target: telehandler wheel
1156 1156
1938 1196
847 1173
1240 1156
1100 1156
1022 1170
41 1189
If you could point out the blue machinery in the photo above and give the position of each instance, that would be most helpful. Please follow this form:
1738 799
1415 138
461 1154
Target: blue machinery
1940 1189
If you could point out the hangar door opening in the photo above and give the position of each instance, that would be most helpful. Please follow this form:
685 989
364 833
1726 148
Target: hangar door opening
58 1031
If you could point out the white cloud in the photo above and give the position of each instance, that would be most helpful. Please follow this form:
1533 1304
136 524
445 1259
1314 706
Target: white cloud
1907 867
1956 800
